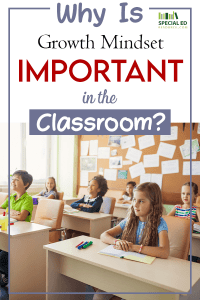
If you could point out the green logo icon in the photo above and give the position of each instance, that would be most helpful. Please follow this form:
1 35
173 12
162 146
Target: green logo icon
167 16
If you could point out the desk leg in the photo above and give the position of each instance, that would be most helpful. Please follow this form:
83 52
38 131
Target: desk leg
98 226
58 283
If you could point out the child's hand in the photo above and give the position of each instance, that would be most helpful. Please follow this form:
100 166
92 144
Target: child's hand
85 205
122 245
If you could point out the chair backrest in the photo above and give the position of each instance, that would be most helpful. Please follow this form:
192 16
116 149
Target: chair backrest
179 236
3 197
108 205
60 195
49 213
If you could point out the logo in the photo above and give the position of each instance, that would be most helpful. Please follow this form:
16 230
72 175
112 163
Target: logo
171 20
167 16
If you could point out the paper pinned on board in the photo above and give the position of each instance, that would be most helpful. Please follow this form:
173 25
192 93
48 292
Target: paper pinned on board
93 147
101 171
145 178
110 174
170 166
127 141
185 149
115 162
113 152
84 148
157 178
127 162
166 150
133 154
195 145
172 137
146 141
137 170
151 160
84 178
104 152
88 163
195 168
198 128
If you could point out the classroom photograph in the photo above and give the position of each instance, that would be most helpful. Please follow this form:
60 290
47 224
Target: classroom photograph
100 217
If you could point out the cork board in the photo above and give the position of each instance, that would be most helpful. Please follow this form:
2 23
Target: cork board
171 184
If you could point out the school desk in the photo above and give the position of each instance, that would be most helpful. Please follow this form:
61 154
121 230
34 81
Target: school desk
27 258
112 274
120 210
92 223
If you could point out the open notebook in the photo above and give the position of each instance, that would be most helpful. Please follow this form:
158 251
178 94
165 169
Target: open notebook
196 228
111 251
69 210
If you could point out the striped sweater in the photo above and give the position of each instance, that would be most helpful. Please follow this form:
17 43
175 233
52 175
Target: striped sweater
184 213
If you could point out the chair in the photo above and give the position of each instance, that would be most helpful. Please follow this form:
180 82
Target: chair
60 195
108 205
3 197
179 236
49 213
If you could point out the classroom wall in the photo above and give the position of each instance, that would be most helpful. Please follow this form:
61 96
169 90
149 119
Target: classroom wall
67 160
171 183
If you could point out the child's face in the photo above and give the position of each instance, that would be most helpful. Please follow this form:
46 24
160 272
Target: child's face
185 194
93 189
17 184
129 189
142 205
50 184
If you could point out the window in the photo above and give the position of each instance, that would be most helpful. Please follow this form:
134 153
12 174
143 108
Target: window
4 154
27 152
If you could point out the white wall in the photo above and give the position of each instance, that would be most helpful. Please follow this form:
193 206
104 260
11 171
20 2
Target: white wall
67 161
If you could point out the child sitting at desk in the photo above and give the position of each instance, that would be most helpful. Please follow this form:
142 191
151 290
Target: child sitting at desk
50 191
183 211
21 207
91 203
127 196
97 189
144 230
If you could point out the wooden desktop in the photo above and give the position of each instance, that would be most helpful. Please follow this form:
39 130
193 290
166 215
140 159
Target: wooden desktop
114 275
27 259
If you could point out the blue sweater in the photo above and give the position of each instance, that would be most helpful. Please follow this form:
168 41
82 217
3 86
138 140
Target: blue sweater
96 204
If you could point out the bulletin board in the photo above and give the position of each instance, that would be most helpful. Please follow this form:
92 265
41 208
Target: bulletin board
171 183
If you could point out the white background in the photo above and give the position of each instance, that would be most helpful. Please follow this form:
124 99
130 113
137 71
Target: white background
27 26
